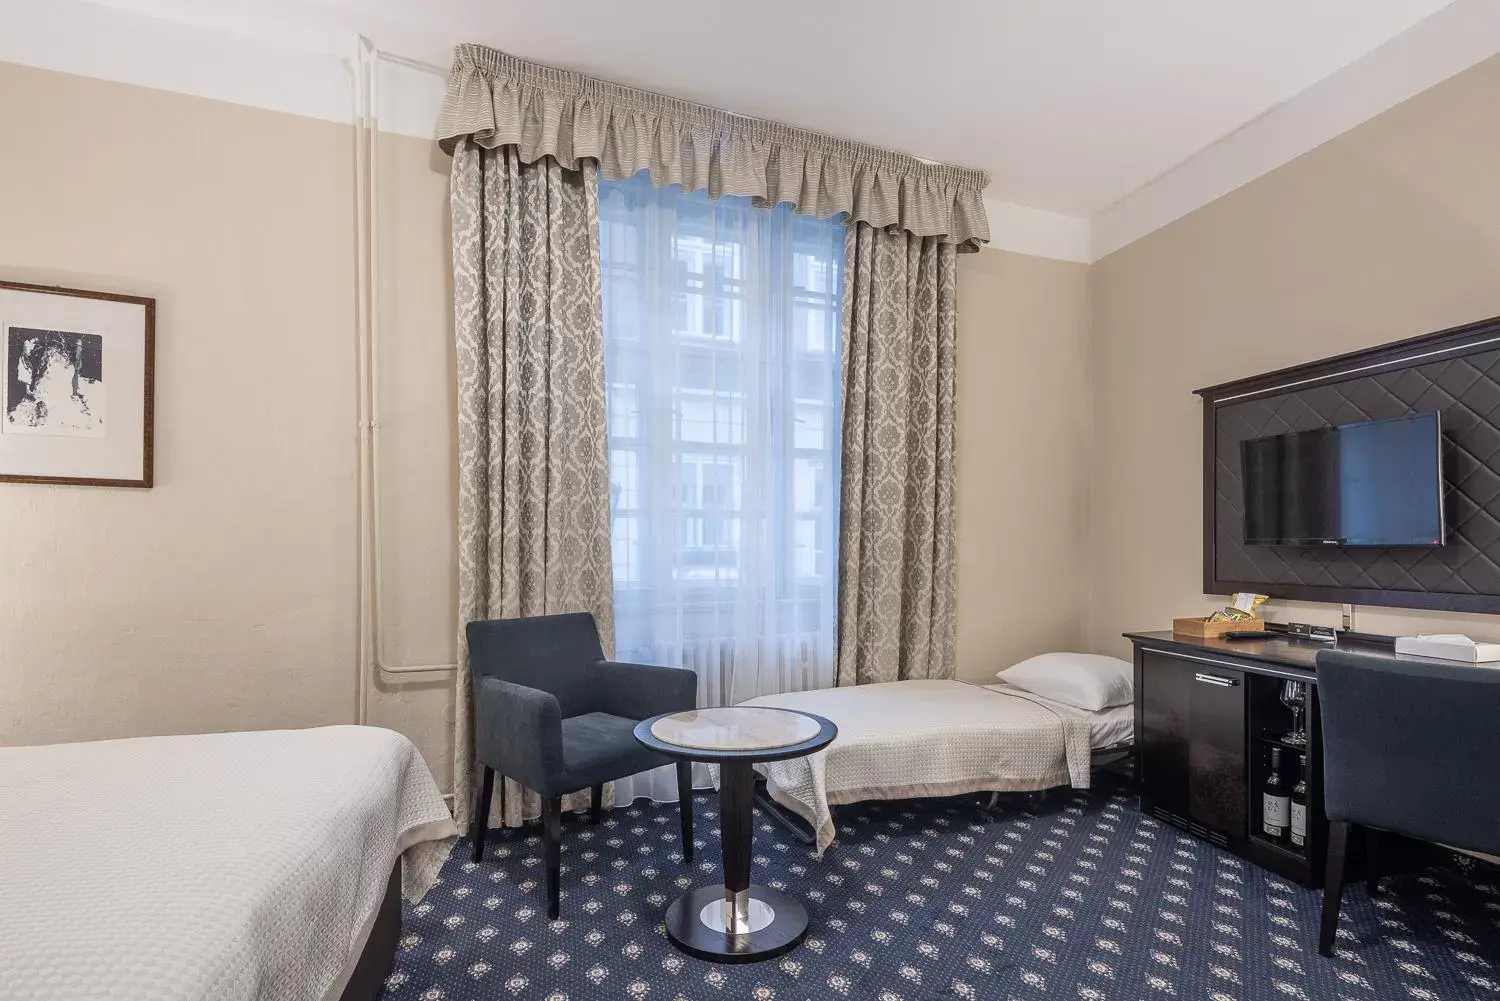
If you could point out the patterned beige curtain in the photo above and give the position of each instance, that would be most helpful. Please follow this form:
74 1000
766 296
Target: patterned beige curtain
533 514
896 517
495 99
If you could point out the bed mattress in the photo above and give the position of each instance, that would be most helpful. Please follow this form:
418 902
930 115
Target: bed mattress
231 866
904 739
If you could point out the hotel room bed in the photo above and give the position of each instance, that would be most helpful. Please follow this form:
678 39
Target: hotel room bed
238 867
905 739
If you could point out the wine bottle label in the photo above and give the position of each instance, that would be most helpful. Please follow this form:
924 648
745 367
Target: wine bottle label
1299 823
1275 811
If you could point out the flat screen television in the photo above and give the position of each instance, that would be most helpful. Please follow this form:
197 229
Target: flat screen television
1374 483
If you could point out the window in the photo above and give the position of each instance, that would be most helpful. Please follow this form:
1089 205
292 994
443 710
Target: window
721 326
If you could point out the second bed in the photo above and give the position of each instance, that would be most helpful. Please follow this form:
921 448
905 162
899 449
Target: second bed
907 739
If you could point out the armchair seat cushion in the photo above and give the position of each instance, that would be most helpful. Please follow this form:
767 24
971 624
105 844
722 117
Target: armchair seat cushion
600 747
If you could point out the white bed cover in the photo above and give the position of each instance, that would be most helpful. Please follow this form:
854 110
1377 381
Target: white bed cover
229 867
1112 727
902 739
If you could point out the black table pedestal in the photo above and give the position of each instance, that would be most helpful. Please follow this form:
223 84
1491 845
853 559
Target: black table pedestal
738 922
688 931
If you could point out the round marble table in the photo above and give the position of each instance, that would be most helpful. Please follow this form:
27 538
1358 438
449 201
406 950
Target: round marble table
739 922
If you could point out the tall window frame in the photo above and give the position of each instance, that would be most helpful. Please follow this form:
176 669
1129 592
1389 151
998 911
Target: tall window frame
721 327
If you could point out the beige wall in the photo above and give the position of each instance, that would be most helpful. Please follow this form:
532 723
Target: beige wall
417 442
1023 454
1391 230
225 597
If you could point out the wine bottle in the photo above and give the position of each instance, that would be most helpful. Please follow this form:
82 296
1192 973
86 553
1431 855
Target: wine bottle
1299 805
1275 803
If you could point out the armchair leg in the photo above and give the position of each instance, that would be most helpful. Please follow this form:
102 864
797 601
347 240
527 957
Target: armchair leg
685 806
552 850
1372 861
482 811
596 803
1333 885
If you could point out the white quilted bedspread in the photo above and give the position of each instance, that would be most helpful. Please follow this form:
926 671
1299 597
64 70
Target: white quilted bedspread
229 867
904 739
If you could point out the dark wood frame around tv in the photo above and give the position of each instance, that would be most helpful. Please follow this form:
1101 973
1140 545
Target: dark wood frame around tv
1455 342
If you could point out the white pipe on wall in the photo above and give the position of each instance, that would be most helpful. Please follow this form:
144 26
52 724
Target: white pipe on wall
367 313
362 50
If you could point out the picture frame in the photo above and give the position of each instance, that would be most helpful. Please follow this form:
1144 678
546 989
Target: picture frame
77 386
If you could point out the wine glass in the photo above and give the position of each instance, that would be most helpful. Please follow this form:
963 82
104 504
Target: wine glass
1294 697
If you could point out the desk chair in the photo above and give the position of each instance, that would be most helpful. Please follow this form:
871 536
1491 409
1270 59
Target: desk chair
1411 747
553 714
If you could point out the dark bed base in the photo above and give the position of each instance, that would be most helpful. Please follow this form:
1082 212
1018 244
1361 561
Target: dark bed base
379 956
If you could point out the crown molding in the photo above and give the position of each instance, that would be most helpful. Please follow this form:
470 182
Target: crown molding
310 73
85 39
1021 229
315 80
1455 38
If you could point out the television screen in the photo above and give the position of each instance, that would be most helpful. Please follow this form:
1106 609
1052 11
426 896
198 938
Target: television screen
1375 483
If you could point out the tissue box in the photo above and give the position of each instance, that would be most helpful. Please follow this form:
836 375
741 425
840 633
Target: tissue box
1201 628
1466 652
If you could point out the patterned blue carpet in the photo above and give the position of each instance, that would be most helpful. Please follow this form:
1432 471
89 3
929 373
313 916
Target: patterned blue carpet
1086 899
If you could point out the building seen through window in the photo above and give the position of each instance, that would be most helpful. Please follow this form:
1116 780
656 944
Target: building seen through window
721 326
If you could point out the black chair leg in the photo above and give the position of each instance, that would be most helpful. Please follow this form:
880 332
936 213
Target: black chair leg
1372 861
596 803
482 811
1333 884
685 806
552 850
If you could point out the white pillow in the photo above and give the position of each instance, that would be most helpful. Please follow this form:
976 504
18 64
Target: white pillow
1088 681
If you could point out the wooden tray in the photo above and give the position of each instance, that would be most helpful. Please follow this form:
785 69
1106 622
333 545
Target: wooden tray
1203 629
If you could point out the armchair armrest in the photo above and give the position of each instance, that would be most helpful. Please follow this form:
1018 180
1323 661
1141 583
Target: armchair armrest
637 691
518 732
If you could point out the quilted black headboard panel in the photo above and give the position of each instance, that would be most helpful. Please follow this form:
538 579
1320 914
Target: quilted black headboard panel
1454 372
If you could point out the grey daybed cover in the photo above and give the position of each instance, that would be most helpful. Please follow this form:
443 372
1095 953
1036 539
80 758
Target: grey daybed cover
903 739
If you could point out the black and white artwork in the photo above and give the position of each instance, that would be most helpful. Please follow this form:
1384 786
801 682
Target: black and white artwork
76 386
54 383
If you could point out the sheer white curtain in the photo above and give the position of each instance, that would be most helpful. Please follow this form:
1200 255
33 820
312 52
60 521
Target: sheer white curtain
721 332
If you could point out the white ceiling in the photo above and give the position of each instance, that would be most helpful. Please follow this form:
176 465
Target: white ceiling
1069 104
1081 110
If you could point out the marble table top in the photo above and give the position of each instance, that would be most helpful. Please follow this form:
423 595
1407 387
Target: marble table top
735 729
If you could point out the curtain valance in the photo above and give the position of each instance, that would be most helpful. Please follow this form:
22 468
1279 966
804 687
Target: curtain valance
497 100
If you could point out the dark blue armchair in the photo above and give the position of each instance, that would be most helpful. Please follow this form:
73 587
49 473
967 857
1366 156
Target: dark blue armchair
1408 747
553 714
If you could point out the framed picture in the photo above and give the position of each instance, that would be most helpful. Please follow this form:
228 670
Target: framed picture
76 390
